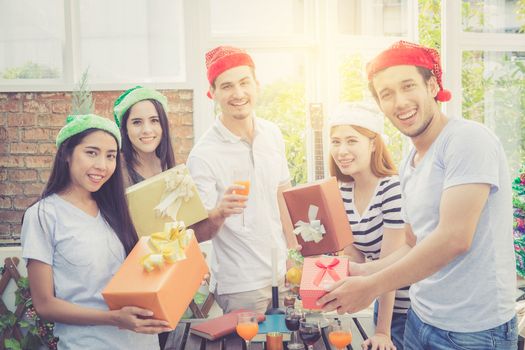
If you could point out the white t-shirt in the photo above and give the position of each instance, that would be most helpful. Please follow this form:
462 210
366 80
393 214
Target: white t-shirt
475 291
84 253
383 211
242 254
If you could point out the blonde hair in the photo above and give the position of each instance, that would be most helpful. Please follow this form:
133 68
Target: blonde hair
381 162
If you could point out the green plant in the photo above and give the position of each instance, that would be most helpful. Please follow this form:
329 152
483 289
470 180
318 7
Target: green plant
283 103
520 14
429 23
353 80
82 98
36 332
31 70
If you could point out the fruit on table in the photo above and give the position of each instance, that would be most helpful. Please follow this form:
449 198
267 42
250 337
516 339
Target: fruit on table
293 275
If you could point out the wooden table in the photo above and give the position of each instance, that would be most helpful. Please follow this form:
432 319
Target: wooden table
182 339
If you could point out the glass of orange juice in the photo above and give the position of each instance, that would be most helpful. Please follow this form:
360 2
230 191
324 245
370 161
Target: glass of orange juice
241 177
339 336
247 326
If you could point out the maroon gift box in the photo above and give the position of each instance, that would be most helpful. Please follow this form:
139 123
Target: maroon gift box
325 195
319 273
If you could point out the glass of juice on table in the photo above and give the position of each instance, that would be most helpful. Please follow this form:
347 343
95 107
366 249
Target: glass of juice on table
241 177
247 326
339 336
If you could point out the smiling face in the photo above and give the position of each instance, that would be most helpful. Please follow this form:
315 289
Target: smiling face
406 99
143 127
235 90
92 162
350 150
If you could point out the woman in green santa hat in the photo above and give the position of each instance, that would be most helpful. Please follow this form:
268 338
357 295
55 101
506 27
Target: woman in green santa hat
76 237
146 143
141 114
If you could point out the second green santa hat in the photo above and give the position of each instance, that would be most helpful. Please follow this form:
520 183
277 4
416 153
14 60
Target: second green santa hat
134 95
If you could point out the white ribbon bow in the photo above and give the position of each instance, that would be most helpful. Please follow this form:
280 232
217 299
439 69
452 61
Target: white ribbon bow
313 230
178 190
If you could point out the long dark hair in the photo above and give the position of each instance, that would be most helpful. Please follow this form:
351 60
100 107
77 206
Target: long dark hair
110 198
164 150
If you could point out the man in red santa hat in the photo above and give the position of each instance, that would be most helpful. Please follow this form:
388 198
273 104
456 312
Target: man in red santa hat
457 208
246 227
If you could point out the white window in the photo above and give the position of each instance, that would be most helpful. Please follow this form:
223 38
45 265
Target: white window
32 37
255 18
46 45
132 40
486 48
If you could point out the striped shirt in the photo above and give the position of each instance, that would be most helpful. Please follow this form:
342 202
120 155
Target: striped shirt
383 211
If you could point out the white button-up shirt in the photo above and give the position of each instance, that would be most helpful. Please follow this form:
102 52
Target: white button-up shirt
242 253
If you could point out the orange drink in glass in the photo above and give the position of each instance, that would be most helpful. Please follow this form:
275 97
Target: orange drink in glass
247 326
339 337
241 177
246 184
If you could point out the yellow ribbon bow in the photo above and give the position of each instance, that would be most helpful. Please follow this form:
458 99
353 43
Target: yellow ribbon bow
167 246
178 190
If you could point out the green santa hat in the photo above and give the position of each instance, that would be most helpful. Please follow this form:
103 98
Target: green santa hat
75 124
134 95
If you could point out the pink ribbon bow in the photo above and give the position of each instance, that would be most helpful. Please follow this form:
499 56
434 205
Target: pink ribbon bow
326 268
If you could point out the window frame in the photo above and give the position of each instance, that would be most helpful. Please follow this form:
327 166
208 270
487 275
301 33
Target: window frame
455 41
72 70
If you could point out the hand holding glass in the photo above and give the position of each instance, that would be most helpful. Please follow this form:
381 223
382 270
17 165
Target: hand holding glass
242 178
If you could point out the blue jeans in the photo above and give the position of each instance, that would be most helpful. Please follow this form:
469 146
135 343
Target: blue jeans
420 336
397 327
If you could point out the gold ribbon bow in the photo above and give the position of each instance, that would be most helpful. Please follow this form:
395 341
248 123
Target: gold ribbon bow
312 230
178 190
167 246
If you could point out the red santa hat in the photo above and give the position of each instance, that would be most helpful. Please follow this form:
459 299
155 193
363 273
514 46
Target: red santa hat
406 53
222 58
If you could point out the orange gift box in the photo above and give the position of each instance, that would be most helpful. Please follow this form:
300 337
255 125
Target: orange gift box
319 273
325 195
167 291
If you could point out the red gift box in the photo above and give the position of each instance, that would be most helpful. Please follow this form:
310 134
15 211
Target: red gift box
319 273
331 215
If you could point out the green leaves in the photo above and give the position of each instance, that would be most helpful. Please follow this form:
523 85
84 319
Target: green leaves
199 298
82 99
38 331
282 102
31 70
12 344
7 320
22 294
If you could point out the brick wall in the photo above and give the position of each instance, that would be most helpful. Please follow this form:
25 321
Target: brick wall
29 123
